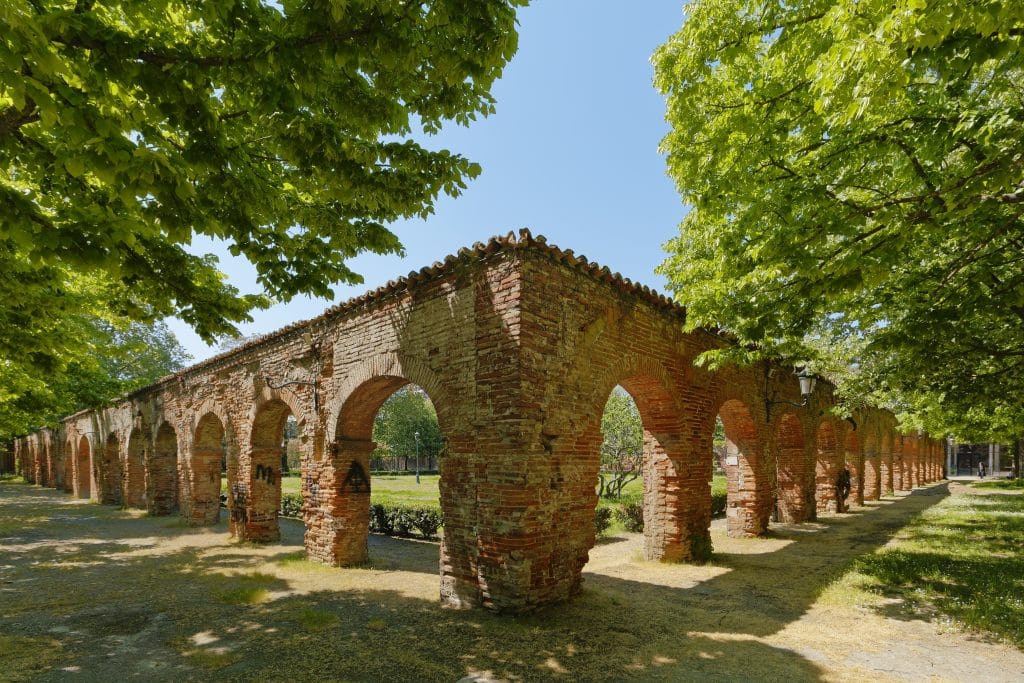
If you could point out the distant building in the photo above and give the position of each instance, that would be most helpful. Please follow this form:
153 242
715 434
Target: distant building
962 458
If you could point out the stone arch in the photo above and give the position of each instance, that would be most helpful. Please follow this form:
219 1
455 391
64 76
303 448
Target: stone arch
409 370
827 460
338 487
162 472
677 493
83 468
208 452
795 497
135 470
110 477
748 474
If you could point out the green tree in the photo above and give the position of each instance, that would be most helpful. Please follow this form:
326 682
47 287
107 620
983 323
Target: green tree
622 449
130 129
127 129
404 414
856 188
113 361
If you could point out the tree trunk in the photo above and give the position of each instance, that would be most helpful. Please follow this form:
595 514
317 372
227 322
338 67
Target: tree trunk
1018 451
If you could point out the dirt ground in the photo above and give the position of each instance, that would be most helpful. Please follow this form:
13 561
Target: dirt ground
92 593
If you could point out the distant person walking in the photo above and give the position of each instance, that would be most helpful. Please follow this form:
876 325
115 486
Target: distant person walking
981 470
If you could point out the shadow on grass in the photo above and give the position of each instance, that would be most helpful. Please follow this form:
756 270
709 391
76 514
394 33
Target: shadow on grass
147 600
965 560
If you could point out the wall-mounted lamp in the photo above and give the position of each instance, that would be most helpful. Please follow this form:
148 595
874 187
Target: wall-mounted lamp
314 383
807 383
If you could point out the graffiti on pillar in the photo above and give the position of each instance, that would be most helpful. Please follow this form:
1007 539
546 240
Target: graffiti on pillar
356 480
266 473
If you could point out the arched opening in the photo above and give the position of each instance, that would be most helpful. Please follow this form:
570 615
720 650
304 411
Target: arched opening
110 481
162 473
389 424
635 430
83 469
795 496
826 467
69 468
208 455
749 476
135 471
268 450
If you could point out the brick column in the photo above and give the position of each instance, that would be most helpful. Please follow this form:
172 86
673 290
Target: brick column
871 474
336 507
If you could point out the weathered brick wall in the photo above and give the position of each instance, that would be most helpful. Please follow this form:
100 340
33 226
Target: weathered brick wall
518 344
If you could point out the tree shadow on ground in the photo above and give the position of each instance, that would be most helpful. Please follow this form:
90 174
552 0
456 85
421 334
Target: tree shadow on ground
146 599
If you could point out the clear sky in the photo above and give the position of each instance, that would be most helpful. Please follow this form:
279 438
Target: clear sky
572 154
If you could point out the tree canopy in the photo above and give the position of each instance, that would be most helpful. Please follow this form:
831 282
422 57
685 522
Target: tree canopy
113 360
128 130
622 447
403 415
854 170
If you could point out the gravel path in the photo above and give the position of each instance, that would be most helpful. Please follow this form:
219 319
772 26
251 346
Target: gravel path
92 593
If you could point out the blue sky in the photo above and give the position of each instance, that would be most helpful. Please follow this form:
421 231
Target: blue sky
572 154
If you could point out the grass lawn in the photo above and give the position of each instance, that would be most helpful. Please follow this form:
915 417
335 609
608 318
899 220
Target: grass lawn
403 490
961 561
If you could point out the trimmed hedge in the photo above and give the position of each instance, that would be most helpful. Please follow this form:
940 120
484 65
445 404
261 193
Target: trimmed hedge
402 520
405 521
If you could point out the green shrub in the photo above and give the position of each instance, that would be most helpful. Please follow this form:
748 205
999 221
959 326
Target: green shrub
718 503
291 505
631 516
381 521
602 520
401 520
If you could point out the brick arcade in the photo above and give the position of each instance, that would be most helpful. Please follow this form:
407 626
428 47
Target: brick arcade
518 344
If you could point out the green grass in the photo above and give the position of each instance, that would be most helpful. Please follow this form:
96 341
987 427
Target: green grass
403 489
1006 484
961 559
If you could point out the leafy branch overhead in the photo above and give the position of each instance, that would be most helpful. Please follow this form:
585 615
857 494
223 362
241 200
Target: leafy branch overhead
855 172
130 132
128 129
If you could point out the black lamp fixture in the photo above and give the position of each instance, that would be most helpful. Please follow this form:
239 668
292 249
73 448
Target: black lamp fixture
307 337
808 381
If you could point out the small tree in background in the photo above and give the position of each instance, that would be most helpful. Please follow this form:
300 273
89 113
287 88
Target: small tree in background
405 413
623 446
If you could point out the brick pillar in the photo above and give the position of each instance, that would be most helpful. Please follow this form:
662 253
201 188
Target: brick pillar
262 496
826 468
677 501
795 472
202 506
885 470
871 474
855 463
336 509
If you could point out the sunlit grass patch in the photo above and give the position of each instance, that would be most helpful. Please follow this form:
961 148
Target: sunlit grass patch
961 558
246 589
317 619
300 562
211 660
1005 484
24 657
